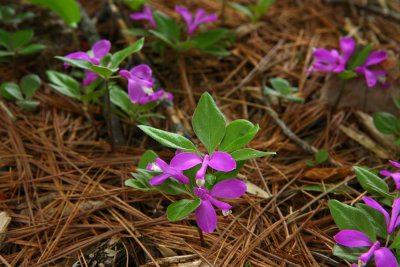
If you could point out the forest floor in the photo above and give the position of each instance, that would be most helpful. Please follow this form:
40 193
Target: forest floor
65 192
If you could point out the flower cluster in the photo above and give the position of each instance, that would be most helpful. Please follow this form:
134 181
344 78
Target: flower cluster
206 216
192 23
395 175
333 61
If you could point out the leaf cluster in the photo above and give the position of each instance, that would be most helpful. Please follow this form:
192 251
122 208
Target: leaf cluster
8 14
23 92
17 43
387 123
282 89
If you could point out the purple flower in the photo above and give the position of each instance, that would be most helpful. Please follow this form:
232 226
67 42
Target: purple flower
392 221
395 175
145 14
331 60
100 49
206 216
220 161
372 76
161 166
200 17
154 96
352 238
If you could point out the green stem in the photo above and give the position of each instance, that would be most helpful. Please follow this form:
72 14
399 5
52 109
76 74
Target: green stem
75 37
110 130
202 243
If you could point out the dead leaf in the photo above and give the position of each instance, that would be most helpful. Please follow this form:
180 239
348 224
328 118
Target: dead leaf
329 174
256 190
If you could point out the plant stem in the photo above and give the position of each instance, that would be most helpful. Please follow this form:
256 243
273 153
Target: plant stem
75 37
202 243
110 130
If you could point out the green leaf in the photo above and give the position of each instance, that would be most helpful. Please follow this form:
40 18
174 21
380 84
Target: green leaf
138 185
396 102
11 91
321 156
365 177
91 97
68 10
360 57
5 39
64 84
136 32
376 218
242 8
135 4
30 49
119 56
148 106
121 99
28 104
168 139
230 175
163 38
350 218
103 72
310 163
148 157
347 74
167 27
293 98
208 123
396 241
83 64
6 53
238 134
171 187
216 50
21 38
182 208
385 122
248 153
349 253
30 84
281 85
210 37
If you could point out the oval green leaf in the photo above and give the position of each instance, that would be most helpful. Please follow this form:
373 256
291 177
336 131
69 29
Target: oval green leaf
181 208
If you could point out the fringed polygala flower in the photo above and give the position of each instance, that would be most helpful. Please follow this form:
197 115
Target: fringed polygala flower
395 175
199 18
327 61
206 215
392 221
161 166
220 161
100 49
145 14
352 238
140 84
372 76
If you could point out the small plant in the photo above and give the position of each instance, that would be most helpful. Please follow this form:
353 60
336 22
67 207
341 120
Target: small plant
368 230
320 157
187 171
387 123
99 65
169 32
282 89
23 92
17 43
254 12
135 4
8 15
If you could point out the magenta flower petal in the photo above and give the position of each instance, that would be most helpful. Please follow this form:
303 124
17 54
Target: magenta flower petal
219 204
347 46
365 257
323 55
162 164
394 215
77 55
394 163
200 17
156 180
185 160
373 204
375 58
352 238
230 188
135 91
142 74
146 14
370 77
222 161
385 173
185 14
385 258
90 77
101 48
206 216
